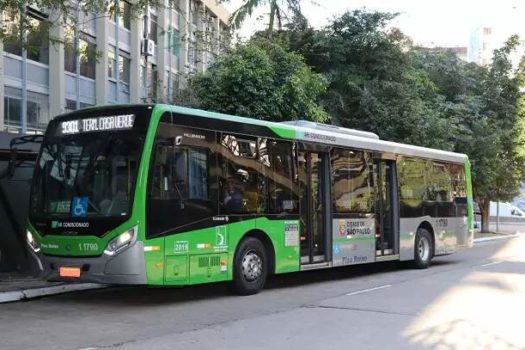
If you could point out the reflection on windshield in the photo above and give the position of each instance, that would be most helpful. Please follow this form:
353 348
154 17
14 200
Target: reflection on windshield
86 175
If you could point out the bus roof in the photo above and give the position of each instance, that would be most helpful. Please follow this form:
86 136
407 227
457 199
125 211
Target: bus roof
328 134
301 130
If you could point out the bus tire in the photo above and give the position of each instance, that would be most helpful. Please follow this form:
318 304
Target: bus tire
423 249
250 267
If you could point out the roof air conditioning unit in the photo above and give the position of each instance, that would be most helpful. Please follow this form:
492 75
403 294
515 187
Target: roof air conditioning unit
148 47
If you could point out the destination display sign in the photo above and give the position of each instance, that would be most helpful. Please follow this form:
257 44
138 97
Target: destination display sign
103 123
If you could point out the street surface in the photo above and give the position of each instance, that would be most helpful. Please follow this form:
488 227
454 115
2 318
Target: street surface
474 299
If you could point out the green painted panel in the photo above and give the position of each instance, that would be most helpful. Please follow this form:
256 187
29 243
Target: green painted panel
154 258
470 201
284 235
176 270
285 132
208 268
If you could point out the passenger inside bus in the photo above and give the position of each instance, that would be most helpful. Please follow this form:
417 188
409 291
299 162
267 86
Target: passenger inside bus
234 196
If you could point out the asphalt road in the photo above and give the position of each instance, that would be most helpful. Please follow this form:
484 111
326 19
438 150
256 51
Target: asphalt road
470 300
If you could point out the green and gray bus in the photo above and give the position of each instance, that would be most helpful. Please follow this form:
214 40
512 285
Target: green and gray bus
166 195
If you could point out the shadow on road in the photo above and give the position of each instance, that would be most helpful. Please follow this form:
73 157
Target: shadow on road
141 296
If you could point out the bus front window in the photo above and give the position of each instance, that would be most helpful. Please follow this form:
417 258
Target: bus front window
86 175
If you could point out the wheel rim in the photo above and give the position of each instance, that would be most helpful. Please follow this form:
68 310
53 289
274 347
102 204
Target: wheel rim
251 265
424 248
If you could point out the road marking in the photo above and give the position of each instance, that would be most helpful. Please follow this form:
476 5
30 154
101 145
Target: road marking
492 263
370 289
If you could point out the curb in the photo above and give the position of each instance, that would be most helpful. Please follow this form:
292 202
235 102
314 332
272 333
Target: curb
495 238
26 294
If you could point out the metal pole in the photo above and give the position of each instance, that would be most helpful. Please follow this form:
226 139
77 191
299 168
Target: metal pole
145 36
497 217
170 43
23 110
77 56
117 50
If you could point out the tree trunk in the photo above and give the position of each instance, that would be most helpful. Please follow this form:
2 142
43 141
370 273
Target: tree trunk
273 9
484 206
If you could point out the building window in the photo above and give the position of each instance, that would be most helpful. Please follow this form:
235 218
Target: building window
124 64
153 32
87 58
173 41
87 54
191 55
152 82
112 63
37 109
37 38
194 12
123 17
173 86
72 105
12 111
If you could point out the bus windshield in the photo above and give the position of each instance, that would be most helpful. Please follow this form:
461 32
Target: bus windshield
82 175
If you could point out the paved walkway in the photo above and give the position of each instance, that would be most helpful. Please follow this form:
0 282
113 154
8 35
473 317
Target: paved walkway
15 287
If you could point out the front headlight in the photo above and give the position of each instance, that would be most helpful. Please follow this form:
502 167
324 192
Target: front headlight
121 242
32 242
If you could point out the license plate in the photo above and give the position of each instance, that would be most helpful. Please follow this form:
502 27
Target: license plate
69 271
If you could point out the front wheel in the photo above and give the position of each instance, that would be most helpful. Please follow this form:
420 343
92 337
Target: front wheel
423 249
250 267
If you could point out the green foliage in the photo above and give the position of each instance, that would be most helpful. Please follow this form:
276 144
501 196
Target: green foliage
262 80
279 11
16 23
378 81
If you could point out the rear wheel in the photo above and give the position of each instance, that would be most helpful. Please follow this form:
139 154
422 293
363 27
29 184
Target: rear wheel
423 249
250 267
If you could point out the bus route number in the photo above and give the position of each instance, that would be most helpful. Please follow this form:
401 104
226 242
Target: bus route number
88 247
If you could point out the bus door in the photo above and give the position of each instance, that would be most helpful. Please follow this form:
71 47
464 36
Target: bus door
386 207
313 171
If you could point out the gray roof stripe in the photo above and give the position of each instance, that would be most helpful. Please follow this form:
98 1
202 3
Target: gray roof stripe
337 138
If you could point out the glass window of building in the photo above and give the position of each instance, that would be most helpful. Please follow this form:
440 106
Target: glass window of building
37 37
153 31
112 63
37 109
124 64
124 14
173 41
87 56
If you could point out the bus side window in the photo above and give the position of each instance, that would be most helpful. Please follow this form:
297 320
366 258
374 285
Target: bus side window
181 188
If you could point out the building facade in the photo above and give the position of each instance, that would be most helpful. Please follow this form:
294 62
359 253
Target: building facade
129 58
481 45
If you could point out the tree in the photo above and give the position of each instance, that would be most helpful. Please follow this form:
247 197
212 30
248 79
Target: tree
63 12
378 81
261 80
280 10
499 152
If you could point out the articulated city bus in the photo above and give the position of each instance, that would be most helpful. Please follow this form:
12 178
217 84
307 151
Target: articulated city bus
165 195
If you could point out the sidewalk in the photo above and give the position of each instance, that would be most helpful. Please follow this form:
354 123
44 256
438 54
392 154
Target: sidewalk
20 287
492 236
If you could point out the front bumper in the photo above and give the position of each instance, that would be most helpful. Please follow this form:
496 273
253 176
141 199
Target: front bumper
127 267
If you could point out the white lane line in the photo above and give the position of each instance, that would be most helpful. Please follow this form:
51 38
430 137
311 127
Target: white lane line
370 289
492 263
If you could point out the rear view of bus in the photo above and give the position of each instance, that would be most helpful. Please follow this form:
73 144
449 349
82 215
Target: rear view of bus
83 194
